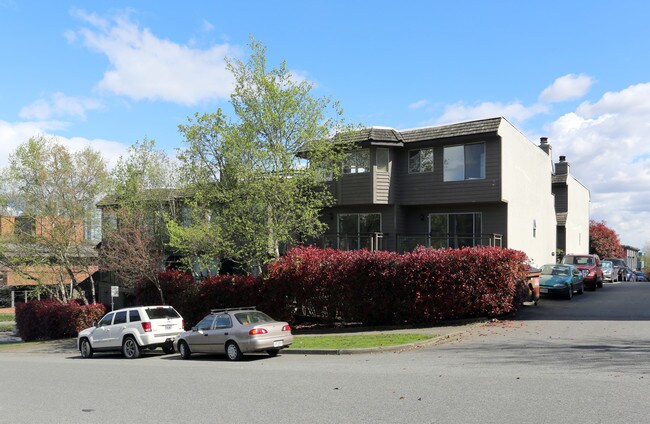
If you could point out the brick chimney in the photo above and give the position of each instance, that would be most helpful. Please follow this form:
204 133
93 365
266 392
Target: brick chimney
543 144
562 167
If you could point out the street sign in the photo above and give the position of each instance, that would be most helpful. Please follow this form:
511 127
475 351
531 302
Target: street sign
115 291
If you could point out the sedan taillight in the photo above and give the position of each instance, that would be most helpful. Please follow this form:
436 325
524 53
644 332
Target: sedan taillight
286 328
256 331
146 326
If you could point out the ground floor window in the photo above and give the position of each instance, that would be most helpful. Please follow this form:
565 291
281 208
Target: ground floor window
455 229
356 230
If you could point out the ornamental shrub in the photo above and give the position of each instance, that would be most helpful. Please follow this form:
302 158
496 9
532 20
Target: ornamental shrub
373 288
49 319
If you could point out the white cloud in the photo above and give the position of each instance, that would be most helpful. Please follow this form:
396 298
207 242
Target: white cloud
606 143
207 26
567 87
14 134
144 66
419 104
514 111
59 105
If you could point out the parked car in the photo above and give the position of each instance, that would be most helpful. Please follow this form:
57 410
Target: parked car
609 274
619 267
561 279
590 266
235 331
640 276
132 330
630 274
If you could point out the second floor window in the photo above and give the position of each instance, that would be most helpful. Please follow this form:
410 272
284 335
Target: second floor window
420 161
465 162
357 162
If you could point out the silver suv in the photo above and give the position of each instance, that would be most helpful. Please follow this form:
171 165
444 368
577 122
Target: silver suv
131 330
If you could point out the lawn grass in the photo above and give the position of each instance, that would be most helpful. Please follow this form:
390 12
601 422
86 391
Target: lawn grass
6 327
7 317
356 341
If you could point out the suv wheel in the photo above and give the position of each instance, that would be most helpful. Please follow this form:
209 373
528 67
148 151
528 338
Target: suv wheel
130 348
86 349
168 348
233 352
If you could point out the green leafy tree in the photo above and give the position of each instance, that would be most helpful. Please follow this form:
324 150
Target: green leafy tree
258 177
143 196
53 191
604 241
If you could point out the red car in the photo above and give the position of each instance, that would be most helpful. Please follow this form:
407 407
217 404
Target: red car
590 266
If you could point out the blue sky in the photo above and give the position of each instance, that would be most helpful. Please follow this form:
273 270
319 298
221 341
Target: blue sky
107 74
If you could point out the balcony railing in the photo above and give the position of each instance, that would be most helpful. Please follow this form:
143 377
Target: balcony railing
404 242
408 242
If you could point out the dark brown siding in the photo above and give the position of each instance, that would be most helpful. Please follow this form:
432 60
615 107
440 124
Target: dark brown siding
354 189
414 219
429 188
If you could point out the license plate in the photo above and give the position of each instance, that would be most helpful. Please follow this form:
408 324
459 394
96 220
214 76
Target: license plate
543 290
168 327
277 343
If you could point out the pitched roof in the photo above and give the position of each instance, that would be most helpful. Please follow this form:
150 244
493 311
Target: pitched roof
483 126
373 134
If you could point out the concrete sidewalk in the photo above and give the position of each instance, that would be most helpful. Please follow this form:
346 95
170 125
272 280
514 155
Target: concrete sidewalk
450 331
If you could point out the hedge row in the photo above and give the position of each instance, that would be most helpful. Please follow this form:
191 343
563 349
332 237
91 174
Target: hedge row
49 319
375 288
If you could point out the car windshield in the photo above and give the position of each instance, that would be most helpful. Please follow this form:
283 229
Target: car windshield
606 264
252 317
555 270
578 260
161 312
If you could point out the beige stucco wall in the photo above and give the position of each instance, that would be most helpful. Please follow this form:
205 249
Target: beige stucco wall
577 222
526 187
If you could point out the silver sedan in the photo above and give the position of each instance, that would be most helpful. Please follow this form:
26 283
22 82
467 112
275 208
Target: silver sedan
235 331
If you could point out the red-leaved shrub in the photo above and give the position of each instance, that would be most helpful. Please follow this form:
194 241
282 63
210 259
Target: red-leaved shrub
49 319
375 288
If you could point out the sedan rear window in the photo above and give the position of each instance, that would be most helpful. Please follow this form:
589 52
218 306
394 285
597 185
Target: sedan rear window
159 313
252 317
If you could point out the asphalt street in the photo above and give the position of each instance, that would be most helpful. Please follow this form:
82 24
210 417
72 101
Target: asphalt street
579 361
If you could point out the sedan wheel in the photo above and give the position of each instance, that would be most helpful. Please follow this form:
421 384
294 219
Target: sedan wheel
86 349
184 349
233 352
569 295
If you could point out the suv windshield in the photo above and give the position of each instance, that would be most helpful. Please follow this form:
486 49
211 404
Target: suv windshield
159 313
578 260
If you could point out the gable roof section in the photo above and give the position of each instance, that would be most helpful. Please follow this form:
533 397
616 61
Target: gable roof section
385 136
483 126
